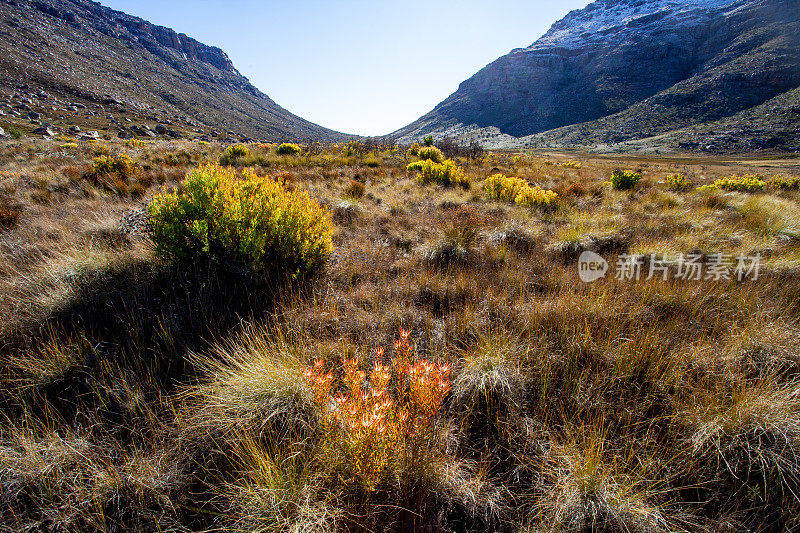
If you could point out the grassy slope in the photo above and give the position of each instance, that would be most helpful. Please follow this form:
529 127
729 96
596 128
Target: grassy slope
141 396
77 60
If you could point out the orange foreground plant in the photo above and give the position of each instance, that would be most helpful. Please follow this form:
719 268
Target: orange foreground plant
386 417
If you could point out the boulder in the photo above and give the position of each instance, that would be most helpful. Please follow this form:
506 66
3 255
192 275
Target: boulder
45 131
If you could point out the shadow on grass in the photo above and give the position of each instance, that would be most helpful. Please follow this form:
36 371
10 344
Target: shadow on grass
119 345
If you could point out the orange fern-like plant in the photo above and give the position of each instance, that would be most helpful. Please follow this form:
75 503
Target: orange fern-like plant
382 418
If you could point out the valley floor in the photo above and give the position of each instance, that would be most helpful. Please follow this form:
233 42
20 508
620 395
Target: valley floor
143 394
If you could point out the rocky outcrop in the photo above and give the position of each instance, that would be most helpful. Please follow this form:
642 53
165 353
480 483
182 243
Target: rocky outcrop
626 69
157 39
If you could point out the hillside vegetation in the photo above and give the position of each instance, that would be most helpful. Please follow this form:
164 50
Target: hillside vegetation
253 338
79 63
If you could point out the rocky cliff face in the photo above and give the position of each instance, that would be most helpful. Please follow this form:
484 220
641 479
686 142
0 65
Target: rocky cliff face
161 41
629 69
90 54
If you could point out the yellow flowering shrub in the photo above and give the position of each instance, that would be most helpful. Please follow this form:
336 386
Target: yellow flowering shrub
445 173
535 197
234 155
134 143
432 153
121 166
678 182
100 149
747 183
503 188
237 150
253 222
779 181
624 179
113 173
517 190
288 149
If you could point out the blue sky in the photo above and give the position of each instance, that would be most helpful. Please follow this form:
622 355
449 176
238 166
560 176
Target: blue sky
352 65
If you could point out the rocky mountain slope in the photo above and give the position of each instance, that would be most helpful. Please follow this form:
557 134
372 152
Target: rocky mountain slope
626 70
103 69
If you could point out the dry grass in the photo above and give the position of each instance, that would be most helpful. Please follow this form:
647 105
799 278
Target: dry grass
139 395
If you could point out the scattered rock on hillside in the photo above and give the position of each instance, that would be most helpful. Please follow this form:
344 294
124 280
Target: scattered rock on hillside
46 131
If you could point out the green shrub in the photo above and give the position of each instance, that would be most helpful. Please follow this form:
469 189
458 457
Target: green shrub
747 183
414 150
445 173
678 182
233 153
428 140
430 153
15 132
288 149
251 222
69 146
624 179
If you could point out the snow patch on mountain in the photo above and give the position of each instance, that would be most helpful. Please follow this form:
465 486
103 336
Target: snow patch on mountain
583 27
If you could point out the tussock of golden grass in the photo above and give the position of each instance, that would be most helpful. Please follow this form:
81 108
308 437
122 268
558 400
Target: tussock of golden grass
588 488
746 437
761 407
252 384
770 216
280 489
490 380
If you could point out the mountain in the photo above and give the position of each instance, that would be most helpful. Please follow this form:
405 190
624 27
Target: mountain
619 71
81 56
